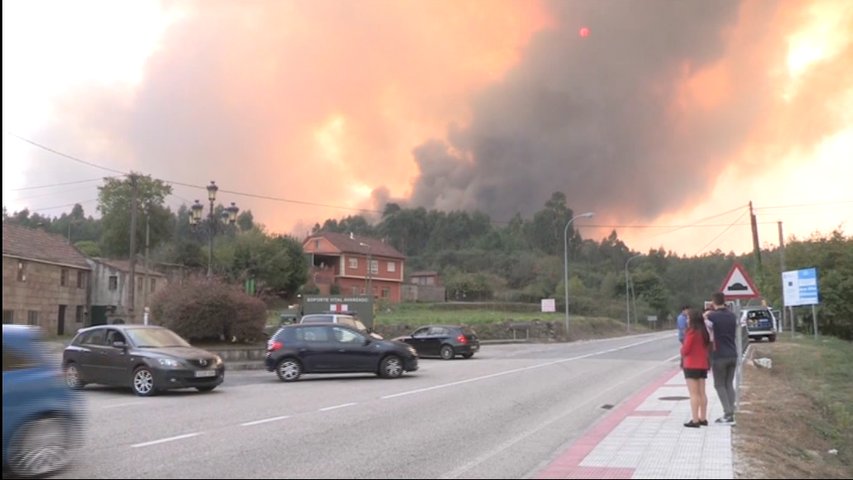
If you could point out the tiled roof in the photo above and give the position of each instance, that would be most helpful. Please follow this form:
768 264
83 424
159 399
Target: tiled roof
353 245
35 244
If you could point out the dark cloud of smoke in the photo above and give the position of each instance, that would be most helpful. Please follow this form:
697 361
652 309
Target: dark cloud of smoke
593 117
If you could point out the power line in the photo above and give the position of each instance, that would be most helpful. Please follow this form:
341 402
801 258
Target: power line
720 234
63 206
84 162
58 184
201 187
817 204
276 199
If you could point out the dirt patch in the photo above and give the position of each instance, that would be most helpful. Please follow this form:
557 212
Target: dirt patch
781 430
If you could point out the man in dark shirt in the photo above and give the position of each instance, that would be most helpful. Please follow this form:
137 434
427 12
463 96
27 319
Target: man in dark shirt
724 357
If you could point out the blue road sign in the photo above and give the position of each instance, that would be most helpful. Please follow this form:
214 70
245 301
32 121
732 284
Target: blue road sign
800 287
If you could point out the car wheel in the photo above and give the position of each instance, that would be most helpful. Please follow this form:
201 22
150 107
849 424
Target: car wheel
40 447
391 367
72 377
772 338
467 355
288 370
205 389
143 382
447 352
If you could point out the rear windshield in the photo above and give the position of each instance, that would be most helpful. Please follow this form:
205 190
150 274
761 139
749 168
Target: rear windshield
757 314
317 319
468 331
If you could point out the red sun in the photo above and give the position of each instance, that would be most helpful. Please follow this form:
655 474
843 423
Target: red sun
583 32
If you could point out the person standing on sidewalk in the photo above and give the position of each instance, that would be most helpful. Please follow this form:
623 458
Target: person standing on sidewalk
694 355
724 355
681 323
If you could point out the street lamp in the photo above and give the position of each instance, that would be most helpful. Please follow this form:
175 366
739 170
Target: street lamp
229 215
627 296
369 269
566 262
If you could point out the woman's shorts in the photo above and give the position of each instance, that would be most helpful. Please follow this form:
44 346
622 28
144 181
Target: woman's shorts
695 373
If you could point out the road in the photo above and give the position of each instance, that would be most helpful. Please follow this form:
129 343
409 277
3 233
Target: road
502 414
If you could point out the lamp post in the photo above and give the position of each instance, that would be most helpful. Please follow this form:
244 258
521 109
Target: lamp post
627 295
566 262
369 270
229 215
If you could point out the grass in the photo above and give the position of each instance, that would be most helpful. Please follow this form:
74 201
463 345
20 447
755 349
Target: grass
821 370
491 321
799 410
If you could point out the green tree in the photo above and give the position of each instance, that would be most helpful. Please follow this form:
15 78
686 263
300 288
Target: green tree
114 203
276 263
88 248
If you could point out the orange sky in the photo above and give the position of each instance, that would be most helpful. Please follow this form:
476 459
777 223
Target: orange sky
325 102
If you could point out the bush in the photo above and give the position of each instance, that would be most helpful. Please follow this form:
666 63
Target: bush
209 310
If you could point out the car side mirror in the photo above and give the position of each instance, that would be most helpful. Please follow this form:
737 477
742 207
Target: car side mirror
119 344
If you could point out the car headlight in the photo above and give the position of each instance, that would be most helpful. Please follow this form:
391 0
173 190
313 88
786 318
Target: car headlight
413 351
168 363
217 360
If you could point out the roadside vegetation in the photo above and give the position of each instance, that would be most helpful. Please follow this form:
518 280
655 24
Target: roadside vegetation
798 414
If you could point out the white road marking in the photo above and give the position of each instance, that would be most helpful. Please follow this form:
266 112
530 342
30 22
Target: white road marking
164 440
516 370
337 406
266 420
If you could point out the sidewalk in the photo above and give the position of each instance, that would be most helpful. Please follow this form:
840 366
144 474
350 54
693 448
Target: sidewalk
645 437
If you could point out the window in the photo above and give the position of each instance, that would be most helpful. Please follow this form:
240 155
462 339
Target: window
63 277
392 267
421 332
342 335
314 334
353 263
81 279
152 285
113 282
374 267
22 271
139 284
386 292
78 314
33 317
95 337
8 317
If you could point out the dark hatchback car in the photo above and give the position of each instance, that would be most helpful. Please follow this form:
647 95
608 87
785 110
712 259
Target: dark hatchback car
445 341
332 348
148 359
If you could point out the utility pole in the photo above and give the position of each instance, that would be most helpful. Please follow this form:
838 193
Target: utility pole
755 246
131 283
145 282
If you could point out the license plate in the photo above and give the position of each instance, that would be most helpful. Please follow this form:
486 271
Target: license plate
205 373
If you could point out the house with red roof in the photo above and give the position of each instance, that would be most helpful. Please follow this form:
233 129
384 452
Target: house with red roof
356 265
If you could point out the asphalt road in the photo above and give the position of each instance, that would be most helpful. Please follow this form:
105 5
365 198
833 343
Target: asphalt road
502 414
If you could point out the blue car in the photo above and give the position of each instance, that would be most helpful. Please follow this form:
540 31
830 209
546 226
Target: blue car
41 415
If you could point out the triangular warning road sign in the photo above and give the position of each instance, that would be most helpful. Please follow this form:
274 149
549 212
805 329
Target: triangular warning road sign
738 284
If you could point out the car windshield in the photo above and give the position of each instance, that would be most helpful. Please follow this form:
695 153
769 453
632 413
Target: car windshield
155 338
